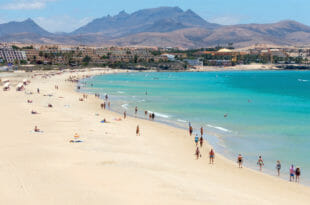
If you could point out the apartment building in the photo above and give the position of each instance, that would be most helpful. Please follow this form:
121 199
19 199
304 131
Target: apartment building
10 55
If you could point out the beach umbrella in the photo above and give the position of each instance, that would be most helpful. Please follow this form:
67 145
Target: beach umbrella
6 85
19 85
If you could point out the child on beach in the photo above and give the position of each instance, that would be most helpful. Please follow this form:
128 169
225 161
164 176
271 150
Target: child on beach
278 167
196 139
240 160
260 163
292 173
211 156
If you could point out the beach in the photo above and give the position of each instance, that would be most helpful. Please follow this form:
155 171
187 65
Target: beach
111 164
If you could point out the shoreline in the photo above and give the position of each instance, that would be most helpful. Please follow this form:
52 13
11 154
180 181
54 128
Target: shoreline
112 164
176 124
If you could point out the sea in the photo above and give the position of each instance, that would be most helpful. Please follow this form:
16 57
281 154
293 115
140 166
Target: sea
254 113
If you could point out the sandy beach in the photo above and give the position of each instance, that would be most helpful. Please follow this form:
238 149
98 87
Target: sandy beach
112 165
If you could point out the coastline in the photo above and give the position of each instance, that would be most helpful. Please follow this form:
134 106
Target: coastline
113 165
214 133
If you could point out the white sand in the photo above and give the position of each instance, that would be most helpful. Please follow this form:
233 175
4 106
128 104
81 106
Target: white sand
113 165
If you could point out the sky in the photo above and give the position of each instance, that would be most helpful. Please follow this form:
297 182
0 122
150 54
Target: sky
68 15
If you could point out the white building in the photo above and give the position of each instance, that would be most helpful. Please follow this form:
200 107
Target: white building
10 55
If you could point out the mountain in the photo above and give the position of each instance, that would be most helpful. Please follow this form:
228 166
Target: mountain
160 19
27 26
162 27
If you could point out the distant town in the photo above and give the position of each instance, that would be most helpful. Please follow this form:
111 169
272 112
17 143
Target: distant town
34 56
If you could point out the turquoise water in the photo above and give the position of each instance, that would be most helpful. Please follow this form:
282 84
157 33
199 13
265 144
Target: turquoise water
268 112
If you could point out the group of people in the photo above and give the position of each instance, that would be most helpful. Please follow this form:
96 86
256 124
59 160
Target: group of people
199 144
294 172
104 105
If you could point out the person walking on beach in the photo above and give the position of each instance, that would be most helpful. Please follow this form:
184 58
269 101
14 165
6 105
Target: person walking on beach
138 130
136 110
197 153
297 172
196 139
240 160
278 167
125 114
201 141
292 173
201 131
190 130
38 90
101 105
211 156
260 163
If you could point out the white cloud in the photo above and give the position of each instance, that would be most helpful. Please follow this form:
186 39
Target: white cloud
26 4
226 20
61 23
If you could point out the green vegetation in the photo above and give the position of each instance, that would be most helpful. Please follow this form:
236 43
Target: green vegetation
15 47
86 60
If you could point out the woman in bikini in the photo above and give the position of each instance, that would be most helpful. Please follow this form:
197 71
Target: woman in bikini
260 163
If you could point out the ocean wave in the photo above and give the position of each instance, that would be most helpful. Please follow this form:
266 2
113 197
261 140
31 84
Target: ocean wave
302 80
125 106
219 128
120 92
159 114
179 120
